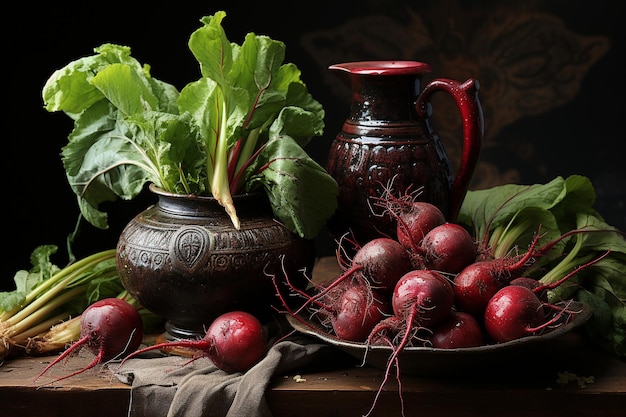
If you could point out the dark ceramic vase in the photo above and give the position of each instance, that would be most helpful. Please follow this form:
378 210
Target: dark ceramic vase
387 142
183 260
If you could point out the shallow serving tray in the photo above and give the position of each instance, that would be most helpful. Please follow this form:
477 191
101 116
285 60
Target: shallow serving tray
437 361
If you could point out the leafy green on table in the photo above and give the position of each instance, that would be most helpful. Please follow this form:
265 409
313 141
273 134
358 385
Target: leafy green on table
505 218
241 127
48 297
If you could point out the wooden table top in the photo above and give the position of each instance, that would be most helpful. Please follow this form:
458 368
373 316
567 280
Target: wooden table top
574 379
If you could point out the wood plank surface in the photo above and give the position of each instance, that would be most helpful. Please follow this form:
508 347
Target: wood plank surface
533 385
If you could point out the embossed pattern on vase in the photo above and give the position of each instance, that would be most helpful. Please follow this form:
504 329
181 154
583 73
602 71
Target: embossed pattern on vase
191 268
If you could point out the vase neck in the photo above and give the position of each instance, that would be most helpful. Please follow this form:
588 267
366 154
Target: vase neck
253 204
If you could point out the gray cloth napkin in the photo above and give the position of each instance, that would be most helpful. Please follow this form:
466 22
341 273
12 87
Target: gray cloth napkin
172 386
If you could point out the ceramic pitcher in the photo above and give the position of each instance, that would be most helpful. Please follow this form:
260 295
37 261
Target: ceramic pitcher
387 143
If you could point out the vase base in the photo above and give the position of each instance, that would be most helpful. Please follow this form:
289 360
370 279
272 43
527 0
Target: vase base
176 334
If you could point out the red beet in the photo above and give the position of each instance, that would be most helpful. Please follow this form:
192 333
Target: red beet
357 311
514 312
414 223
422 299
234 342
109 328
448 248
383 261
458 330
348 308
474 286
413 218
479 281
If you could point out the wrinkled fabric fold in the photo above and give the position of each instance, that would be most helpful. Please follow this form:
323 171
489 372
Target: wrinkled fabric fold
174 386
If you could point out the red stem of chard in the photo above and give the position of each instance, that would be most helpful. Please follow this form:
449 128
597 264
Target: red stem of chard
236 181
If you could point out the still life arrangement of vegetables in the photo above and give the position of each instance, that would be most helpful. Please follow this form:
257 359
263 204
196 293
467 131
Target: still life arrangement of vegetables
508 267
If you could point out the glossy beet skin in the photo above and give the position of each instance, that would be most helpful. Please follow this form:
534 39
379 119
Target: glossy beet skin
425 295
238 341
114 328
474 287
414 223
448 248
512 313
383 262
110 329
235 341
479 281
358 309
458 330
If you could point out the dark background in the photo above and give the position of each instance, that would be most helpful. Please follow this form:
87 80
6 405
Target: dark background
551 74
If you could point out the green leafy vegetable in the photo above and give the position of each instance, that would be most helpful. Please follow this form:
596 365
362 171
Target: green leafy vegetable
241 127
47 294
42 314
505 219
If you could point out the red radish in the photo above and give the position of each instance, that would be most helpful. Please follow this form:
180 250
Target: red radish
234 342
458 330
109 328
448 248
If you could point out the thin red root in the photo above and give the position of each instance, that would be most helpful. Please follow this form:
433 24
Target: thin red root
571 274
288 310
342 254
556 318
201 345
530 253
333 285
393 359
78 344
75 347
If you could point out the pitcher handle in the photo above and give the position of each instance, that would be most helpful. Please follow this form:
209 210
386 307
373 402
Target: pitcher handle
466 98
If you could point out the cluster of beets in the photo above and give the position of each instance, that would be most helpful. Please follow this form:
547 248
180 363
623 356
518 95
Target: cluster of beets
431 286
